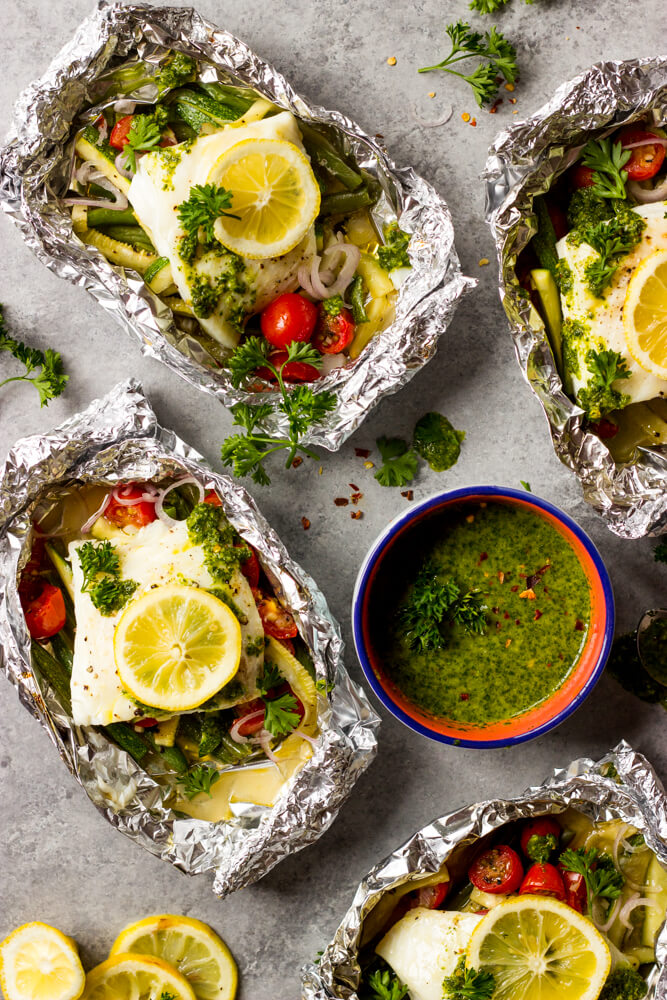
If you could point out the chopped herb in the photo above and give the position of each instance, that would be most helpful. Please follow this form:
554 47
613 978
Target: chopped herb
386 986
180 69
100 557
143 136
607 161
525 485
50 381
394 253
437 441
254 647
613 241
109 595
467 984
281 715
660 552
492 46
540 848
198 780
209 527
603 880
205 204
433 601
586 209
333 306
399 462
598 396
564 277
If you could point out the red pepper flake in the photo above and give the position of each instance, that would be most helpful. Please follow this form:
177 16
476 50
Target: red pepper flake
538 615
508 644
494 107
501 576
305 523
549 663
356 497
353 486
529 594
512 100
356 515
507 614
560 656
514 589
341 501
297 462
483 556
362 452
517 621
499 625
496 611
465 696
408 494
474 122
546 589
579 626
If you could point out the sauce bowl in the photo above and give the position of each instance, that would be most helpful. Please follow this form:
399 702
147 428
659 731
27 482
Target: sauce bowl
381 564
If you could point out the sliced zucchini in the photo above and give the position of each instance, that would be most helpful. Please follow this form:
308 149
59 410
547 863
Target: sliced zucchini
87 151
103 530
543 282
158 276
118 253
79 219
654 916
63 569
376 279
164 733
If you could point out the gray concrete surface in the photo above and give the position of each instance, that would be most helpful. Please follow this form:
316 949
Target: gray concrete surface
59 860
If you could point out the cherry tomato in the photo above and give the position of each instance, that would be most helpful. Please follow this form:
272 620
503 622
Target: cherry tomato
582 177
295 371
645 160
498 870
543 880
45 614
250 567
146 723
277 621
253 714
575 889
288 318
539 838
212 498
334 333
136 515
288 644
605 429
119 133
430 896
31 581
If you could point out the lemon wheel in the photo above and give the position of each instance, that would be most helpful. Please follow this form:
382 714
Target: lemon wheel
176 646
537 948
275 197
645 314
190 946
38 962
136 977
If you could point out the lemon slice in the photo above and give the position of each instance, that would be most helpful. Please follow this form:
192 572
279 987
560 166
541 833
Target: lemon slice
645 314
537 948
190 946
274 194
136 977
176 646
37 962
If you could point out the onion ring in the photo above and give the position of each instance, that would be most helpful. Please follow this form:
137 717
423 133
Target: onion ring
85 528
646 196
159 503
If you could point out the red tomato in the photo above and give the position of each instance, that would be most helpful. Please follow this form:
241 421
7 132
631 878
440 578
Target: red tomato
277 621
646 159
119 132
137 515
212 498
31 582
45 614
498 870
575 889
253 714
146 723
605 429
250 567
295 371
288 318
430 896
543 880
334 333
539 838
582 177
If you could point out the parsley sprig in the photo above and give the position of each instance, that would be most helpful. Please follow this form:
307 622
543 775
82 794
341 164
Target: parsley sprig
598 395
101 577
602 878
433 601
492 46
50 381
386 986
468 984
302 408
607 160
206 203
143 136
399 462
613 240
281 715
199 779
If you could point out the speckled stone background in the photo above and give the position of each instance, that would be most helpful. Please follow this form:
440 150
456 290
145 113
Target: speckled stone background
59 860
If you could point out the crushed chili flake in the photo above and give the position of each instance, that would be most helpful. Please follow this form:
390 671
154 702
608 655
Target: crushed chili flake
579 626
391 61
341 501
499 626
465 116
356 515
483 556
529 594
514 588
494 107
508 643
320 470
305 523
538 615
470 518
297 462
517 621
408 494
501 576
362 452
356 497
473 122
512 100
509 86
369 465
506 615
353 486
465 696
496 611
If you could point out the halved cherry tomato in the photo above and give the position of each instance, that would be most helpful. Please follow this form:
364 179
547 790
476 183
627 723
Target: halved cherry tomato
334 333
558 219
135 515
250 567
582 177
45 614
539 838
277 621
31 581
288 318
575 889
146 723
605 429
212 498
543 880
253 714
295 371
645 160
430 896
119 133
497 870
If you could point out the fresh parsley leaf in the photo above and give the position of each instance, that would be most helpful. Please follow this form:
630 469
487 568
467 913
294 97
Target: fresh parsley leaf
101 577
50 381
109 595
598 396
498 53
598 871
281 715
97 557
612 240
487 6
386 986
468 984
607 161
394 253
437 441
660 552
143 136
271 677
525 485
433 601
206 203
198 780
334 305
399 462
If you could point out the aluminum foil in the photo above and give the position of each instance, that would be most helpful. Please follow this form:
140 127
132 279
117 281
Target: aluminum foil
523 162
118 438
34 167
636 797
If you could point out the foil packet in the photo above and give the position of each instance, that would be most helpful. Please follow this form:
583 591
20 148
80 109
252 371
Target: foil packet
119 438
35 167
523 162
634 794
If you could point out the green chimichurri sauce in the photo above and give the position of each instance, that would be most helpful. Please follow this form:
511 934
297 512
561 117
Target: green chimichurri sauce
537 614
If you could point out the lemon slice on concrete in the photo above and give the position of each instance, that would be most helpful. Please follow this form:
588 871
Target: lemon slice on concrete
176 646
190 946
645 314
136 977
274 194
537 948
38 962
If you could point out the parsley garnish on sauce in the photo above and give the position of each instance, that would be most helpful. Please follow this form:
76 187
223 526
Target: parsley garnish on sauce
492 46
50 381
468 984
101 577
432 602
143 136
598 396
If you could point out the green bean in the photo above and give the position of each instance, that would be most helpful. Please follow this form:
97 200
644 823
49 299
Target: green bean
174 758
107 217
357 292
63 652
54 673
345 202
127 739
133 235
324 154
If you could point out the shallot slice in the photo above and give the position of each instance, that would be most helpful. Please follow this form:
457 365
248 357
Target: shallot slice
121 168
631 904
85 528
646 196
264 739
159 504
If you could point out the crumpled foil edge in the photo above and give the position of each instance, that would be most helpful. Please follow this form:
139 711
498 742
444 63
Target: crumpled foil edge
43 115
118 437
640 799
522 163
